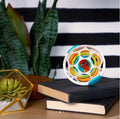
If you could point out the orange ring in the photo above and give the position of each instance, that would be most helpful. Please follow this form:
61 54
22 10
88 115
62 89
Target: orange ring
83 80
71 72
71 58
96 72
84 51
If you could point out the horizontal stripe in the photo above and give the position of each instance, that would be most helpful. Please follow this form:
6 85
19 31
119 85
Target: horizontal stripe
75 15
103 76
109 72
107 50
111 61
68 3
91 39
83 27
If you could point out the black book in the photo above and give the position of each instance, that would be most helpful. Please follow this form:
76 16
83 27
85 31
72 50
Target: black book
66 91
99 106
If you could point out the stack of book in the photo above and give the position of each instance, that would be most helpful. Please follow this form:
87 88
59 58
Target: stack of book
66 96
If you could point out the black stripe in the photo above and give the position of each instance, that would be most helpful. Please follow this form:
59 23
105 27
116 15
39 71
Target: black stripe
88 15
91 39
67 78
76 15
111 61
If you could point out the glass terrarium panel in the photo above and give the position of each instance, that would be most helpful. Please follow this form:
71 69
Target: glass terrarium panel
25 98
14 107
12 75
4 104
4 74
25 82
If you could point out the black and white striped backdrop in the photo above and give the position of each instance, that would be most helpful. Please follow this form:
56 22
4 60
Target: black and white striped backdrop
93 22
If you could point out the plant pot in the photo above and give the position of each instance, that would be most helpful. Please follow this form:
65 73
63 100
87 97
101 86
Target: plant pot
8 102
35 79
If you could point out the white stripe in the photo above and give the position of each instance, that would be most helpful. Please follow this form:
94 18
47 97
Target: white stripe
83 27
29 25
86 3
89 27
105 49
109 72
67 3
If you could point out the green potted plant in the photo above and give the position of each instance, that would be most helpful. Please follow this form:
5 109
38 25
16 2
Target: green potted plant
29 53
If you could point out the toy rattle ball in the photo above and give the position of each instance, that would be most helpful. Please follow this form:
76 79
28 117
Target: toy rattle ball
84 65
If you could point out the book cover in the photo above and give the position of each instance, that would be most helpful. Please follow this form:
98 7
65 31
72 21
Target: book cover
66 91
100 106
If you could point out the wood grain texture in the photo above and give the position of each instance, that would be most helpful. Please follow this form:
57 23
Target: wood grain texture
36 110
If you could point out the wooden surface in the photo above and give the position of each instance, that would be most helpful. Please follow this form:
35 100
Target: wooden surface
36 110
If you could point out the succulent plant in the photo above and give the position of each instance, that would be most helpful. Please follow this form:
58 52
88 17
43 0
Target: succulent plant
12 88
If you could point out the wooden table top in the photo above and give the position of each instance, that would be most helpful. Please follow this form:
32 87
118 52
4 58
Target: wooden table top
36 110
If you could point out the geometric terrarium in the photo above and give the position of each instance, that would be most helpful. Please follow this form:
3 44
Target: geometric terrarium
15 90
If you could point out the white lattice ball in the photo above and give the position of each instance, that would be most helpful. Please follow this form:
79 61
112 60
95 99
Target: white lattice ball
84 65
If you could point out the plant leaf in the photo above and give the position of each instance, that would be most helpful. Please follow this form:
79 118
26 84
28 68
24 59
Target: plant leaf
44 6
55 72
36 29
50 27
11 50
3 5
19 27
